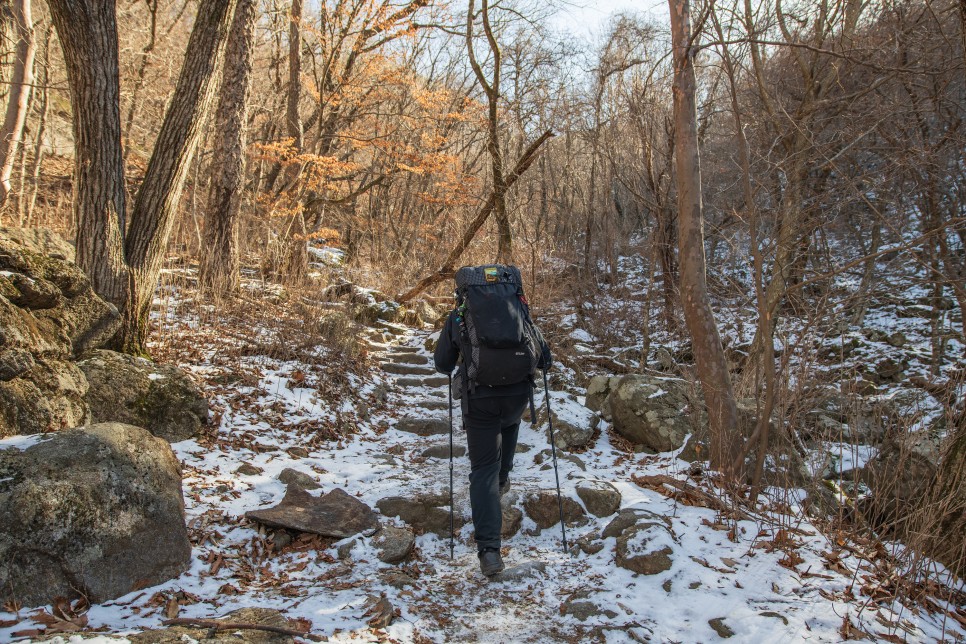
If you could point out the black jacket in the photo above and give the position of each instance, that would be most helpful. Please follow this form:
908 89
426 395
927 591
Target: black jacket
447 356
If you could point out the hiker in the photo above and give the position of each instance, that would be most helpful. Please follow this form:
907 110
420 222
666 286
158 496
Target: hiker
493 341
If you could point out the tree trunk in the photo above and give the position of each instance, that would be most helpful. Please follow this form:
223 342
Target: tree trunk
219 271
153 215
504 252
709 356
946 516
88 37
11 133
293 121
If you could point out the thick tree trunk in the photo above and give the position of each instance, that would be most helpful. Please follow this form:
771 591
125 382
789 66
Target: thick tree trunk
11 133
88 36
153 215
219 271
945 521
709 356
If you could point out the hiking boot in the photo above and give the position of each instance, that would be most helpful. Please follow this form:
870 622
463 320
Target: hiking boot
504 487
491 562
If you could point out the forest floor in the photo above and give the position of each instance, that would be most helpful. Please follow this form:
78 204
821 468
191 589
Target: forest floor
766 576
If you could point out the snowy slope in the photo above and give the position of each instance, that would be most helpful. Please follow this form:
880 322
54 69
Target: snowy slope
737 574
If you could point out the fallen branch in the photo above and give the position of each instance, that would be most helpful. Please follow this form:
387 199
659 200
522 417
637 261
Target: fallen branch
688 494
446 270
236 626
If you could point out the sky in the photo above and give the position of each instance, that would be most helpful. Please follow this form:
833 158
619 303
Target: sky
589 17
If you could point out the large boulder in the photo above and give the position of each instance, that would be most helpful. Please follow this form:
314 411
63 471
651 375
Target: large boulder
646 548
600 497
57 292
130 389
96 510
48 315
544 508
651 411
573 425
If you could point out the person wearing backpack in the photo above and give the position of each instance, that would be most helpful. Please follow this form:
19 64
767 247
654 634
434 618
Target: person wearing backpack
492 339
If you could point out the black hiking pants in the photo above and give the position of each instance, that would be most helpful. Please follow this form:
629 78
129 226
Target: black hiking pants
492 424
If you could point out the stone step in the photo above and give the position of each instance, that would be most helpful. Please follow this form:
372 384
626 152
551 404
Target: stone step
423 426
434 405
436 381
400 349
407 369
409 358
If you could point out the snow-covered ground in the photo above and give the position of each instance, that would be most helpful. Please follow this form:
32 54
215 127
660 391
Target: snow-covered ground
769 577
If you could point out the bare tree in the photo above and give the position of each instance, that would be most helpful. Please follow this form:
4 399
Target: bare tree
219 266
11 132
491 88
124 261
712 367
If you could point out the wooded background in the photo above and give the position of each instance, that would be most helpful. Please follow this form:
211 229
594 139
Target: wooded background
415 136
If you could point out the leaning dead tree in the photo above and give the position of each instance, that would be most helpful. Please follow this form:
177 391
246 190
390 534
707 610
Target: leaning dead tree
446 270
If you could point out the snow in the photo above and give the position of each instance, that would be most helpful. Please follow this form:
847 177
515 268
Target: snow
21 442
735 568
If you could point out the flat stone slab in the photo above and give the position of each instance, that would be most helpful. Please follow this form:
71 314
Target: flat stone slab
410 382
436 381
434 405
406 349
335 514
520 572
409 358
423 426
442 451
407 369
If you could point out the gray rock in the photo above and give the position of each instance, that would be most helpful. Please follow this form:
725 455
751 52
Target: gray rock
397 368
96 510
580 607
160 398
294 478
590 543
520 572
410 358
423 426
394 544
47 397
433 405
247 469
598 389
40 240
335 514
425 512
600 498
629 517
437 380
545 458
442 451
645 548
542 507
573 428
651 411
512 517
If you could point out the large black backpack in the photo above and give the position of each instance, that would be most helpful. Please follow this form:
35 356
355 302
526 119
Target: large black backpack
499 344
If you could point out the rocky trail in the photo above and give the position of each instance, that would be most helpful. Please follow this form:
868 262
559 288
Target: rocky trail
332 520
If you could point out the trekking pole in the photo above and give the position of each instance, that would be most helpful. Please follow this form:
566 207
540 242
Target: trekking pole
553 452
450 378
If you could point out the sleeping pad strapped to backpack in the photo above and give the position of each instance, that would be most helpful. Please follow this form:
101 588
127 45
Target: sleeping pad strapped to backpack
499 343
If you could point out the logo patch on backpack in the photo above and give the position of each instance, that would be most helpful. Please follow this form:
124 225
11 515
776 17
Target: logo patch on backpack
491 274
